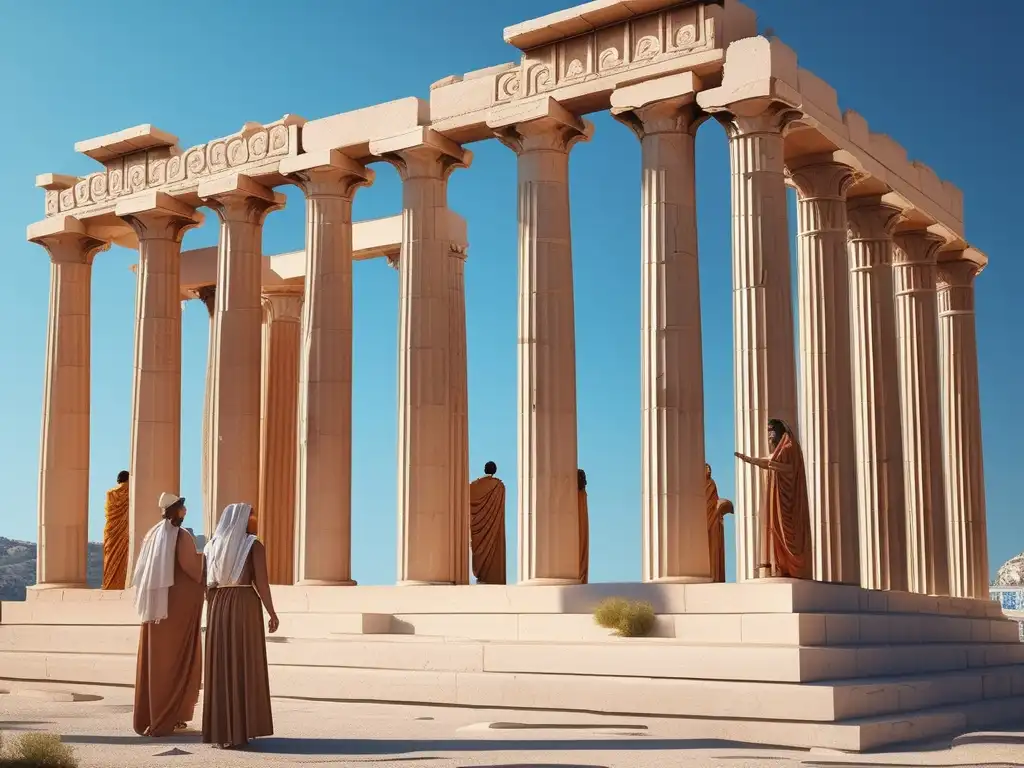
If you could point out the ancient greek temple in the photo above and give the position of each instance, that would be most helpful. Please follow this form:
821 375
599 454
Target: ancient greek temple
885 286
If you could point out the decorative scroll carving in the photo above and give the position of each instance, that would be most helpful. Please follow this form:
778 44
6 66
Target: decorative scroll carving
638 42
135 173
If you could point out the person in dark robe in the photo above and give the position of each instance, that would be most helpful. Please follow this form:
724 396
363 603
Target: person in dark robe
584 524
785 520
236 694
487 526
169 591
115 534
717 509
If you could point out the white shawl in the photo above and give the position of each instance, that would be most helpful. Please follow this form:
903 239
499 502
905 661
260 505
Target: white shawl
227 550
154 571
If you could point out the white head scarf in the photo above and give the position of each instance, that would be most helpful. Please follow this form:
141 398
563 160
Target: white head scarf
154 571
227 550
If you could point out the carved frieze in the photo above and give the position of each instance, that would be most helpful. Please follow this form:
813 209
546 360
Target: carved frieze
635 43
174 169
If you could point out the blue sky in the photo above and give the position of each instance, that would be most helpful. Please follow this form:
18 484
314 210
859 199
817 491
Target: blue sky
937 78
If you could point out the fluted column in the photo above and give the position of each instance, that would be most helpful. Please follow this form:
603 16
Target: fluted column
323 501
64 447
208 295
826 397
961 416
881 509
763 348
458 379
914 277
279 408
160 221
549 542
673 504
242 205
428 514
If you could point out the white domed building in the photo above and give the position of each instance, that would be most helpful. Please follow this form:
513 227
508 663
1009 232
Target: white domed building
1008 589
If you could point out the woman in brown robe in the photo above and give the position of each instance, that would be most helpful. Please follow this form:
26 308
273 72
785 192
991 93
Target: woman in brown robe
717 509
583 514
169 592
487 526
785 524
236 695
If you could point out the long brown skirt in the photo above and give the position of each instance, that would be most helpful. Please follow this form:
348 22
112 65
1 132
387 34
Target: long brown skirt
236 690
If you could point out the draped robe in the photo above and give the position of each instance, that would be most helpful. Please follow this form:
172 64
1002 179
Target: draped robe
717 509
115 538
785 524
584 523
487 529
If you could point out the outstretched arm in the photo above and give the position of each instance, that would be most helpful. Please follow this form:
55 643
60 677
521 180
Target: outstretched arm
261 581
773 466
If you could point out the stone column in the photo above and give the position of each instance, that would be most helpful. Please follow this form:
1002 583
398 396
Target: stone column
62 559
279 408
961 416
323 528
673 503
428 514
826 397
459 434
208 295
916 330
547 473
762 301
242 205
881 506
160 221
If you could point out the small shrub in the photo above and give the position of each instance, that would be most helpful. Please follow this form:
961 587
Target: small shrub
39 750
627 618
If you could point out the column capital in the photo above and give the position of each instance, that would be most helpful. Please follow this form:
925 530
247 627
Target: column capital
327 173
66 239
958 268
539 126
158 216
282 303
868 218
819 177
916 247
238 198
665 105
208 295
422 153
754 116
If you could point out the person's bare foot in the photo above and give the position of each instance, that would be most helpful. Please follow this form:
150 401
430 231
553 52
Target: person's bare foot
181 726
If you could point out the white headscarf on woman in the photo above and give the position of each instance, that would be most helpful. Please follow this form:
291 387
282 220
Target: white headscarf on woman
154 571
227 550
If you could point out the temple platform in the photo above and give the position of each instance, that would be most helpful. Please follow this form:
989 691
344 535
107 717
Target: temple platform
787 663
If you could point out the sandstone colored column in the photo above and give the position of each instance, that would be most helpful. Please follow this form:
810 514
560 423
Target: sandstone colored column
762 300
242 205
208 295
160 221
916 330
881 507
673 504
279 408
459 432
427 509
542 135
826 397
64 446
323 501
961 416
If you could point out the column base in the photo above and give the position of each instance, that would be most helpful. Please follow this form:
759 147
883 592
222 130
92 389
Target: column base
680 580
324 583
64 585
551 583
417 583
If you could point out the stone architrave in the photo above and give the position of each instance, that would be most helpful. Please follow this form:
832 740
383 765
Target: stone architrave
159 221
242 205
673 499
826 397
542 136
428 512
914 286
961 415
876 400
208 295
323 501
763 348
458 380
62 559
279 408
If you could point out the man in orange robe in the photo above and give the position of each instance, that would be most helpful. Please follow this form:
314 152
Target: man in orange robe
717 509
487 526
785 520
115 535
583 513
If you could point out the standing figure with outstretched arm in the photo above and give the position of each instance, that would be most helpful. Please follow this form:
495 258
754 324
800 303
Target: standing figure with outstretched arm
785 520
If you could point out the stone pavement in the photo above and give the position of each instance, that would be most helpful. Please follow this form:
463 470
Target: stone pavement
319 733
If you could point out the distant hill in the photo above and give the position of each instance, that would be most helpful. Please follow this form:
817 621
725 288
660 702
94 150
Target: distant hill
18 566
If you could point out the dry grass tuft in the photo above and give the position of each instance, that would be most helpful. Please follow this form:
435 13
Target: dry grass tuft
37 750
627 618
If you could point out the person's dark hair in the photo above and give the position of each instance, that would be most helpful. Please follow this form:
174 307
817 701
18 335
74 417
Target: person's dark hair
122 476
581 480
490 468
779 426
171 513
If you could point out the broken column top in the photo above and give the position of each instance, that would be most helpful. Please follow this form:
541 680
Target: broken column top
113 145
